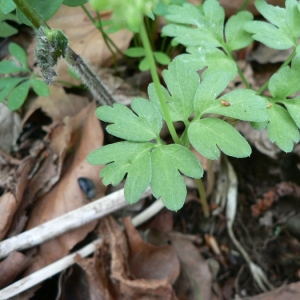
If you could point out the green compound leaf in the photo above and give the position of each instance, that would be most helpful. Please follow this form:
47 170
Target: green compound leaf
208 22
135 52
18 96
5 29
213 58
7 85
293 107
182 84
284 32
210 135
9 67
161 8
144 65
240 104
282 129
286 81
46 9
215 15
208 90
7 6
40 87
236 36
167 182
74 3
161 58
143 126
121 158
19 53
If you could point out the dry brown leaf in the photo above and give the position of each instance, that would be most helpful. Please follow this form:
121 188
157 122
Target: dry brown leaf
147 261
10 127
51 153
97 271
58 105
196 278
66 195
84 38
286 292
8 206
109 275
15 180
12 266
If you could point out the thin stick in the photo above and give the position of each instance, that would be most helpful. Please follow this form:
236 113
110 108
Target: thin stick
72 220
60 265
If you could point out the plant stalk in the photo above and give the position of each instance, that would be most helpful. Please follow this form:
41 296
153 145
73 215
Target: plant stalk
165 111
203 198
31 14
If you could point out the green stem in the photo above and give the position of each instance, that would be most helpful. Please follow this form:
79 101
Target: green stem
244 5
265 85
203 198
31 14
245 81
165 111
103 33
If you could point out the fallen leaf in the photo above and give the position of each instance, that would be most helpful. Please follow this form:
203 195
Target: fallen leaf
10 127
147 261
286 292
11 267
58 105
66 195
194 268
50 153
14 179
109 275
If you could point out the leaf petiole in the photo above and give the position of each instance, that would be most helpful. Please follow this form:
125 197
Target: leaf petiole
149 55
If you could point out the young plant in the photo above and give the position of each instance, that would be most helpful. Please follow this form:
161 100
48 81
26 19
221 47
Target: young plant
200 103
210 44
15 89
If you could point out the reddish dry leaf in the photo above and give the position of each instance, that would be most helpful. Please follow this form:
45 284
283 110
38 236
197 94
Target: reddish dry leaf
10 202
53 149
195 278
8 206
66 195
109 275
281 190
147 261
12 266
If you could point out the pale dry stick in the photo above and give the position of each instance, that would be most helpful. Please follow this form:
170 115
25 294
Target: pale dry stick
60 265
256 271
72 220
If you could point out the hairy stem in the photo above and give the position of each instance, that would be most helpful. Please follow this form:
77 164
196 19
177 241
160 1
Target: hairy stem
165 111
203 198
87 75
89 78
